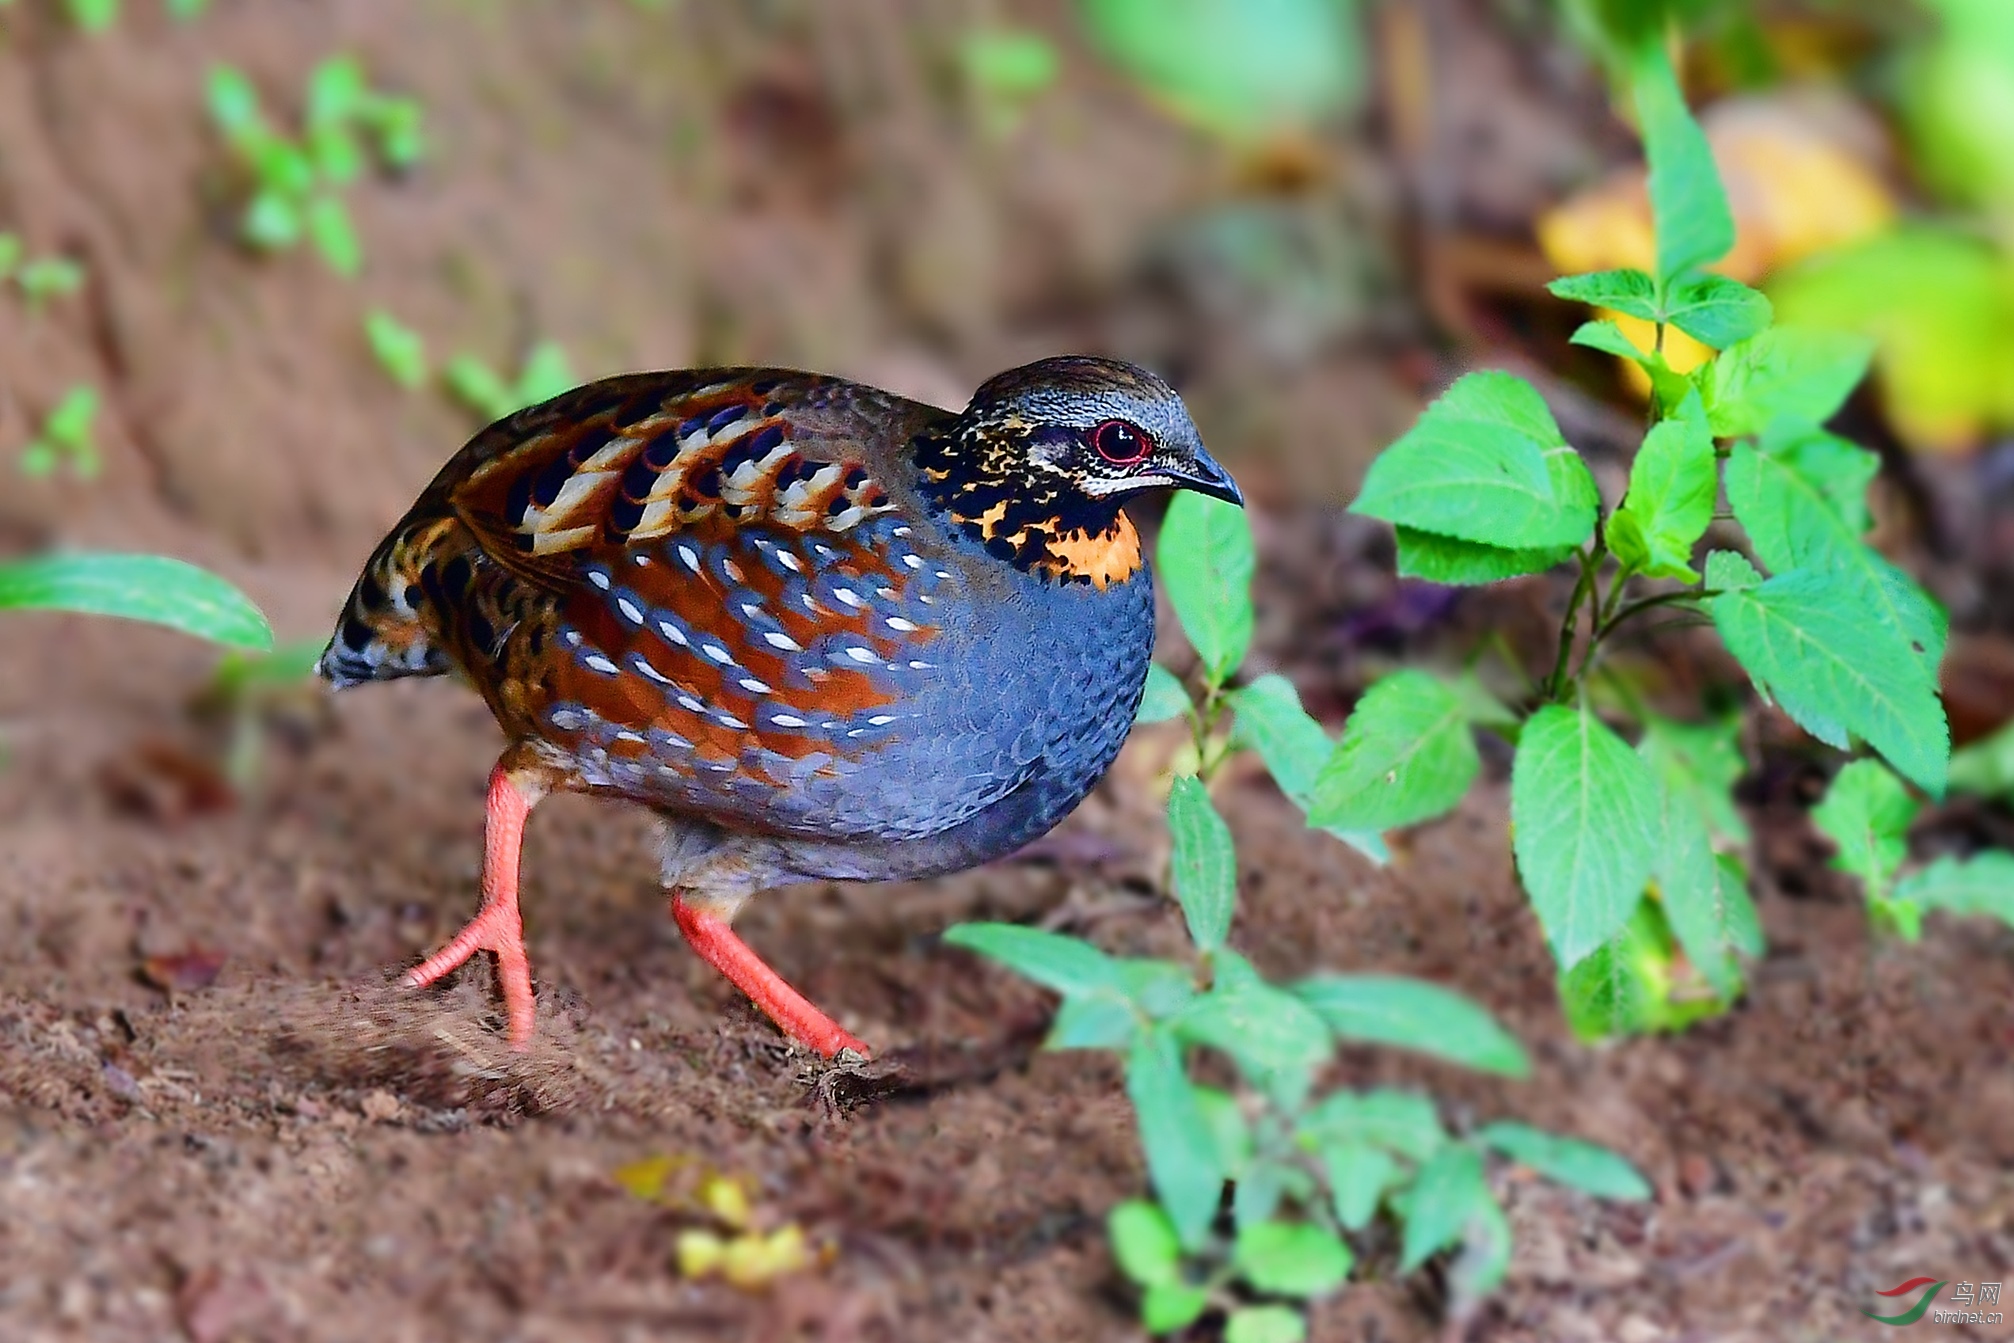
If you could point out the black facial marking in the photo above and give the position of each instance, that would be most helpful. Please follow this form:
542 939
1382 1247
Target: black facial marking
481 633
356 635
455 576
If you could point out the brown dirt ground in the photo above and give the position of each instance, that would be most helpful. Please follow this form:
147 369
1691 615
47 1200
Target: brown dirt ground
300 1150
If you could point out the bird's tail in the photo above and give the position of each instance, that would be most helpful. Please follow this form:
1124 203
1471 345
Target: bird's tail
389 627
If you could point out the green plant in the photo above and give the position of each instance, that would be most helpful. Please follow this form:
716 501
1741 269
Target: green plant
65 437
400 351
1867 813
40 278
546 373
297 182
247 691
1005 71
152 588
1632 856
1306 1175
95 16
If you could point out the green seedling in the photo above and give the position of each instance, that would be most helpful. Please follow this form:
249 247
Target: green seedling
400 351
96 16
1005 70
546 373
65 438
1306 1176
39 279
1633 856
151 588
297 181
1866 813
248 692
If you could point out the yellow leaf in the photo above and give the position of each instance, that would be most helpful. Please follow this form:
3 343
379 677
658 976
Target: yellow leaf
699 1253
724 1197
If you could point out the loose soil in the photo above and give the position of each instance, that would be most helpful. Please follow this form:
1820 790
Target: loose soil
221 1119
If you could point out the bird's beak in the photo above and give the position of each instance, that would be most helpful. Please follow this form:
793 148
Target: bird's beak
1204 475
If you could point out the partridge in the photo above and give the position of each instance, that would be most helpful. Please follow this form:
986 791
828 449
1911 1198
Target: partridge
822 631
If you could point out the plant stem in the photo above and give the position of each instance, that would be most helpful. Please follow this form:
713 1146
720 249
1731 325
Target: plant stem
1557 681
1636 608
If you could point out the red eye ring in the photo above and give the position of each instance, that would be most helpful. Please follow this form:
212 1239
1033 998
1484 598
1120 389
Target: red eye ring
1120 443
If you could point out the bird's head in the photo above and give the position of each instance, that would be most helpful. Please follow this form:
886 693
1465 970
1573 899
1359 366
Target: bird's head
1037 465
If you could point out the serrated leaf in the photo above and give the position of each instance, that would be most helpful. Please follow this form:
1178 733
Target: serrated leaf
1688 205
1805 644
1163 697
1204 865
1585 1166
1275 1039
1065 964
1181 1157
1143 1242
1699 763
1744 925
1359 1177
1586 813
1717 311
1407 755
1205 560
1801 495
1784 373
1672 487
1270 720
150 588
1264 1324
1981 884
1689 882
1730 571
1397 1121
1630 292
1485 463
1867 813
1413 1014
1438 1206
1619 988
1291 1258
1443 559
1168 1306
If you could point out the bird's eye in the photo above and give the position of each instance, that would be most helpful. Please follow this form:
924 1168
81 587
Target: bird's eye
1120 443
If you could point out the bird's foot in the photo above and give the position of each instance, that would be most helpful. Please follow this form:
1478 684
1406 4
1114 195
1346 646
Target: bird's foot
799 1019
496 929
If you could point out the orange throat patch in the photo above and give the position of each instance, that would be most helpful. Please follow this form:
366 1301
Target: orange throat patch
1102 558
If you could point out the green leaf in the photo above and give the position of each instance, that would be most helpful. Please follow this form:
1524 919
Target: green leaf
1291 1259
1204 865
477 386
1407 755
1744 925
1629 292
1269 1033
1144 1243
1867 813
1065 964
1485 463
1986 767
1008 62
338 158
399 350
1730 571
1258 1193
1784 373
328 225
1585 811
1672 487
1484 1259
1181 1157
1801 494
1806 644
152 588
1413 1014
1671 387
1688 205
184 10
1271 721
93 16
1359 1177
1163 698
1168 1306
69 423
1717 311
1691 886
1585 1166
49 277
1265 1324
1981 884
1699 764
1242 69
1205 560
1230 1135
337 91
1092 1021
1397 1121
1161 989
1438 1206
545 375
1620 988
233 102
1443 559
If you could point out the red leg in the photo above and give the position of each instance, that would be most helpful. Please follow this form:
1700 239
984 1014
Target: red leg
711 937
497 926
